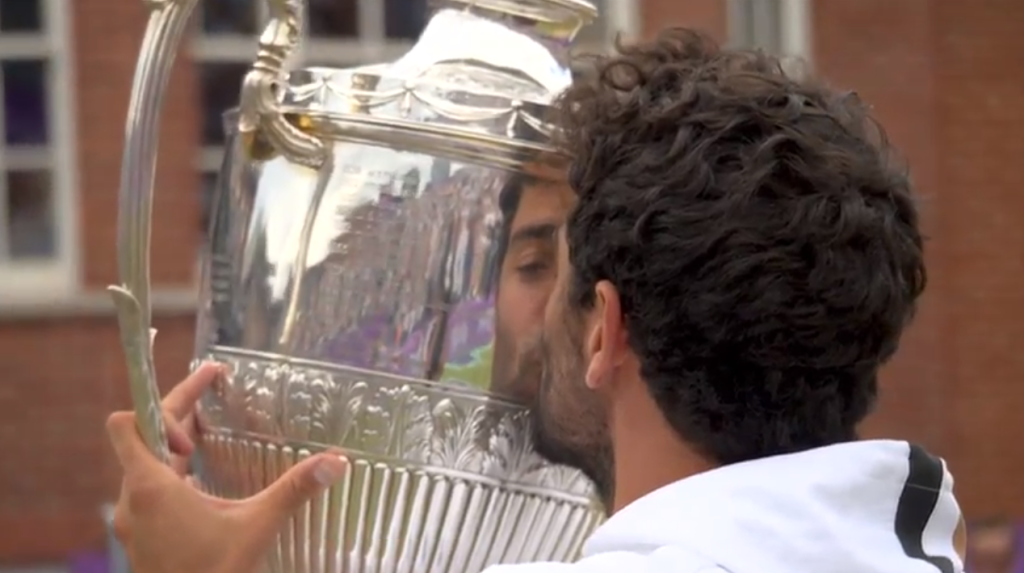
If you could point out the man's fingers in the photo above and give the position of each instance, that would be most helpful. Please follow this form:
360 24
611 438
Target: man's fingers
131 450
179 438
297 486
182 399
146 480
124 436
122 529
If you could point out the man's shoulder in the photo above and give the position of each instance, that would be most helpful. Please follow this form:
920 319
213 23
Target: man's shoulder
664 560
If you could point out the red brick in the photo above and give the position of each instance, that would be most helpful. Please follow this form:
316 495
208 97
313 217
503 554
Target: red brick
63 377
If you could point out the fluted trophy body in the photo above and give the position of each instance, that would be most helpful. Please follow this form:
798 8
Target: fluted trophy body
349 283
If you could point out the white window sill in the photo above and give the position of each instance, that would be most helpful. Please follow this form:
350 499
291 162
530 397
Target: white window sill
42 304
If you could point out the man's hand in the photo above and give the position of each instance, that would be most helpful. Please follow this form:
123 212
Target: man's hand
167 526
179 409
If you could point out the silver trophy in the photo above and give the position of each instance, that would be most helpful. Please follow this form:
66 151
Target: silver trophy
354 255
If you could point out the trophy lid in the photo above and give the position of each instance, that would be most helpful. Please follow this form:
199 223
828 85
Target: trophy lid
476 86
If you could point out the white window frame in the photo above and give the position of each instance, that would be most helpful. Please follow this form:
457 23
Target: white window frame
780 27
59 277
624 16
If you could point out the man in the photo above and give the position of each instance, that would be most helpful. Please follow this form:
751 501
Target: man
533 209
743 258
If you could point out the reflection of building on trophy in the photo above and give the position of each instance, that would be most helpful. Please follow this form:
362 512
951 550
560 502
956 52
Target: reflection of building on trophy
364 272
238 319
400 264
457 214
234 212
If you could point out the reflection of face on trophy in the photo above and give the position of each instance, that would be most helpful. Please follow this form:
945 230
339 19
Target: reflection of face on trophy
378 262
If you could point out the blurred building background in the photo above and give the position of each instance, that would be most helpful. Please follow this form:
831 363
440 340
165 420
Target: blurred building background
945 76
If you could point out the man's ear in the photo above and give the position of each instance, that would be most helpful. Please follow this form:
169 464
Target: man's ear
606 340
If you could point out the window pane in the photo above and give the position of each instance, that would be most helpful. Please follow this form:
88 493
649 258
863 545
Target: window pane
220 84
21 16
404 19
333 18
229 16
766 26
756 24
30 228
596 34
25 101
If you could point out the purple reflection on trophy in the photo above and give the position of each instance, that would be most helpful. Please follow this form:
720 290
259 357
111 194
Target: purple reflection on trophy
468 333
425 265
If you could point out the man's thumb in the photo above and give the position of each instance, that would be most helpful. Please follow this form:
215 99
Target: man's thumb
298 485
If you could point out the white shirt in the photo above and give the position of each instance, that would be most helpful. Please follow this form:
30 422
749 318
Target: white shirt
861 507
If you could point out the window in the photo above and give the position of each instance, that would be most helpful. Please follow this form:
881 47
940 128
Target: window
615 17
37 223
779 27
341 33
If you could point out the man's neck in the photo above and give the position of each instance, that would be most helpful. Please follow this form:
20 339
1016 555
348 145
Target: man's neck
649 455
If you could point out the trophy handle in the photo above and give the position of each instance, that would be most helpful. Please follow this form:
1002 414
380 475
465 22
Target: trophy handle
262 122
260 116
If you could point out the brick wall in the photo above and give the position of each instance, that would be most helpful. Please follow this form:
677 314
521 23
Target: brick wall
107 39
63 375
943 75
946 77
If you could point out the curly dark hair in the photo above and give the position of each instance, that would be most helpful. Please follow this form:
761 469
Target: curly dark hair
760 231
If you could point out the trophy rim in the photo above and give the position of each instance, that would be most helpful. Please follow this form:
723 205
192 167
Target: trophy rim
582 7
314 77
452 141
218 352
252 402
